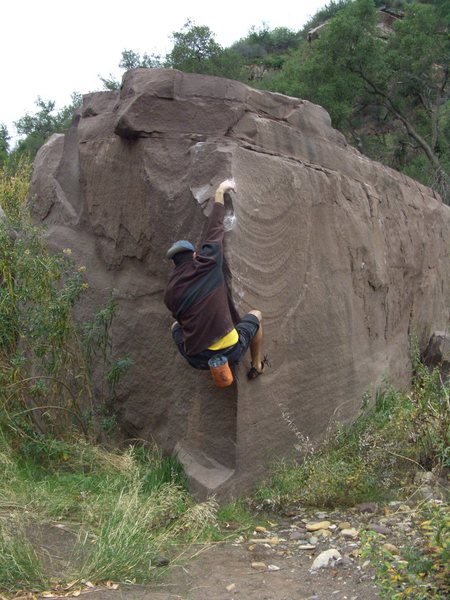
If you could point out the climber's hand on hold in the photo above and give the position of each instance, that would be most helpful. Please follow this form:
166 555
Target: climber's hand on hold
223 188
227 185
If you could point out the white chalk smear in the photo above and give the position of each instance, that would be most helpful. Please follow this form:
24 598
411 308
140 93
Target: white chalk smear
229 221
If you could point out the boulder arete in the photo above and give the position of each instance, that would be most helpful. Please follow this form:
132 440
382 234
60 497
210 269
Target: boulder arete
345 258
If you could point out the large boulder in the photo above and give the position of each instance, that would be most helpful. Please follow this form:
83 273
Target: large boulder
345 258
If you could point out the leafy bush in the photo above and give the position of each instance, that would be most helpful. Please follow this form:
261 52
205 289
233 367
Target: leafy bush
46 360
42 380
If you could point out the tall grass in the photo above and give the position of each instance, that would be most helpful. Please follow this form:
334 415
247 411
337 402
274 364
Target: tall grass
129 538
122 524
47 362
377 455
20 566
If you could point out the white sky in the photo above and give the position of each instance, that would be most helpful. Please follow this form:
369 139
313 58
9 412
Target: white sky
51 48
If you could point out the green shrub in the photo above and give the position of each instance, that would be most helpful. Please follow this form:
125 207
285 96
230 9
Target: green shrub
47 362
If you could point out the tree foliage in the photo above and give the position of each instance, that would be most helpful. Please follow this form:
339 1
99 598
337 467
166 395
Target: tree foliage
397 85
131 60
38 127
195 50
262 42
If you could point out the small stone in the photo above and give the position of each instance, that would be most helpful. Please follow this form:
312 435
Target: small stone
161 561
325 559
260 529
350 533
344 525
346 562
367 507
426 492
306 547
273 568
391 548
259 566
231 587
321 515
252 547
313 539
424 477
318 525
326 533
382 529
272 541
295 535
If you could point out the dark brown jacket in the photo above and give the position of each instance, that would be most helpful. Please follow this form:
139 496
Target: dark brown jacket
197 295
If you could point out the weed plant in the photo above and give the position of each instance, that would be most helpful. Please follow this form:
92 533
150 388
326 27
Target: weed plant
376 456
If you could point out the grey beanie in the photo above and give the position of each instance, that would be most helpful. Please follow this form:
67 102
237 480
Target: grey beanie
179 246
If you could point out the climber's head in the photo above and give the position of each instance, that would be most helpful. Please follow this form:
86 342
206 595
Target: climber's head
181 251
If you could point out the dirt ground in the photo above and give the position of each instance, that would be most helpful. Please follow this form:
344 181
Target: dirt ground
224 572
265 565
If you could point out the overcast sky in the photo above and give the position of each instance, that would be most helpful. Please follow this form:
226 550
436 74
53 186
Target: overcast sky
51 48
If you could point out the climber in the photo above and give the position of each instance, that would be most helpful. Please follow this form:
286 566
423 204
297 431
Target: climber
207 322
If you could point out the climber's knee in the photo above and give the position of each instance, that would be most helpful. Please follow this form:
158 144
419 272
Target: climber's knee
256 313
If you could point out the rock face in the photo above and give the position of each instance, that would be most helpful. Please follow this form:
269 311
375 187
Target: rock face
344 257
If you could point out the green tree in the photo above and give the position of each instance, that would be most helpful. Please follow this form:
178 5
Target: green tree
37 128
324 14
354 72
196 51
417 91
194 48
131 60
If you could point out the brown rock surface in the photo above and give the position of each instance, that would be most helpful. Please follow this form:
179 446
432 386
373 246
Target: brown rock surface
344 257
